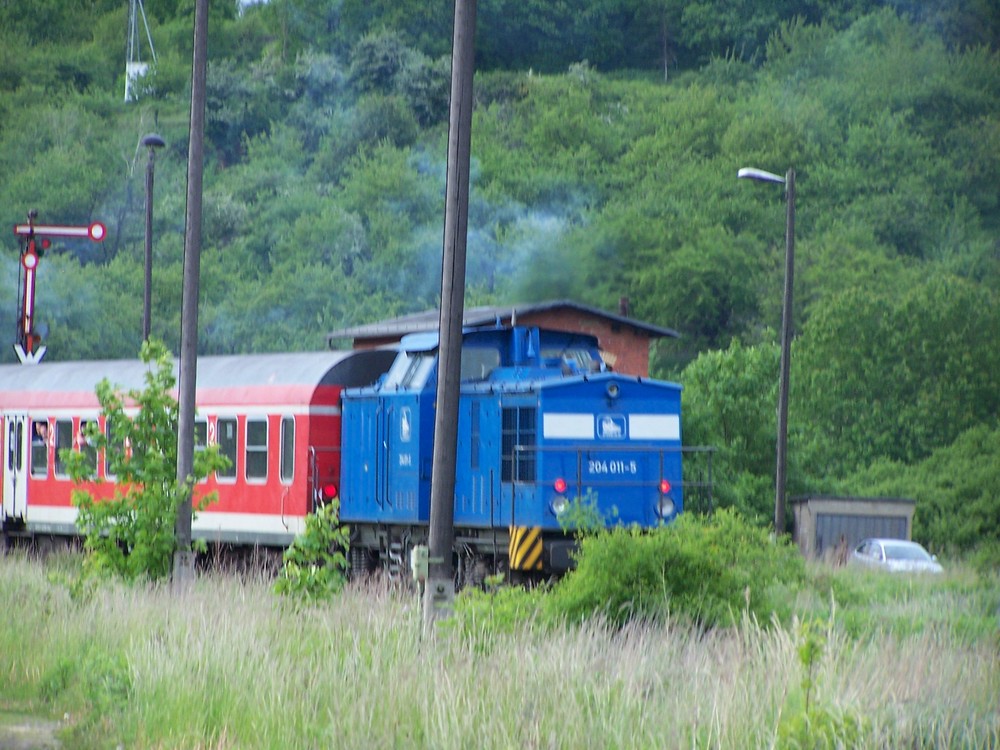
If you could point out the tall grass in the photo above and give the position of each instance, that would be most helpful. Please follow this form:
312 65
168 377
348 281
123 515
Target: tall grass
230 665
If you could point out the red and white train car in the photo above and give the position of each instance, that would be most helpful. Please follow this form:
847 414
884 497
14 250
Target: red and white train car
276 416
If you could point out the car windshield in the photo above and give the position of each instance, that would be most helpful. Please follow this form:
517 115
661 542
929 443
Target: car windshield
905 552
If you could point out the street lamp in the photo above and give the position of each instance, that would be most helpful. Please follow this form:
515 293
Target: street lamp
152 142
786 333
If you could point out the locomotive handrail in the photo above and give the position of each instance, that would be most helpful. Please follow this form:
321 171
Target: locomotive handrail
315 489
618 480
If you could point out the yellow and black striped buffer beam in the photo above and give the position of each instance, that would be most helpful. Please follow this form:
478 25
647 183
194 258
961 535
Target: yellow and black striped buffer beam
525 549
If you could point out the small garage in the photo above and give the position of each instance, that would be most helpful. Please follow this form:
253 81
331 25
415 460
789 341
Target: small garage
821 521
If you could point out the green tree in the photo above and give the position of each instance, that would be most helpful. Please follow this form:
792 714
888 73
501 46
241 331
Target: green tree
894 371
956 490
131 535
729 403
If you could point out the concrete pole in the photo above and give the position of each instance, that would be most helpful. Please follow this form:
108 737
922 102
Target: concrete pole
183 570
439 593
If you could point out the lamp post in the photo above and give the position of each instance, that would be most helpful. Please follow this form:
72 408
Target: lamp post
786 333
152 142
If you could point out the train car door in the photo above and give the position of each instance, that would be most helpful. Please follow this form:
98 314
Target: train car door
15 466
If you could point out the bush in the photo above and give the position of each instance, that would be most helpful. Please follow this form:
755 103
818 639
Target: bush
707 570
315 565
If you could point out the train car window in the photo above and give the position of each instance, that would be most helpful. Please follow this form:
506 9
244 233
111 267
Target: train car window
287 449
518 433
109 452
478 363
40 448
201 439
227 446
64 441
256 449
87 446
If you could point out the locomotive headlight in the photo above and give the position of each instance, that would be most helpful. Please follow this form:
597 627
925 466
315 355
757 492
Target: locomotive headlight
665 507
612 390
559 505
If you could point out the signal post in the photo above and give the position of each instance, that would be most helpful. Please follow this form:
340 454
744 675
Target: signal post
27 343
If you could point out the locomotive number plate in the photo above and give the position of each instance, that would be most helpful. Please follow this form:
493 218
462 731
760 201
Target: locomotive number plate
598 466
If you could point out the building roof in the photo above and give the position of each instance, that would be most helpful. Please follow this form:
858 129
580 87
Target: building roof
478 316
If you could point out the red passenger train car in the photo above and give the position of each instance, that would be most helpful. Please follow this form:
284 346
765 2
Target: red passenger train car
276 416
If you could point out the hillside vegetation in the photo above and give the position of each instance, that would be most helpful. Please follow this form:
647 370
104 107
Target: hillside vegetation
605 147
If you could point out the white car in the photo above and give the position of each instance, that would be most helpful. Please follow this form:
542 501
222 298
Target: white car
897 555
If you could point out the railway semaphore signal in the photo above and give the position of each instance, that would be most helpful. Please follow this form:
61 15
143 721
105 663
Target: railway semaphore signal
27 343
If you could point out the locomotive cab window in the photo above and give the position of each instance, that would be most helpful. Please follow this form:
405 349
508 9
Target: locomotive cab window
256 451
478 363
40 448
287 449
518 444
227 446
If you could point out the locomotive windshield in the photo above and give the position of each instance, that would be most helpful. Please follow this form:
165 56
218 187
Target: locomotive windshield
410 370
574 359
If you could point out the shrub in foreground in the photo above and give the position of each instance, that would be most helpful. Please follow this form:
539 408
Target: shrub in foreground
707 570
315 565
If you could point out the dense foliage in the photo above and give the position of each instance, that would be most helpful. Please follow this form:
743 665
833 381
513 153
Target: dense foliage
607 136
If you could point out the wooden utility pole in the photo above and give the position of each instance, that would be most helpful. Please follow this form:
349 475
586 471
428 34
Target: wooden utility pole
786 355
183 571
439 593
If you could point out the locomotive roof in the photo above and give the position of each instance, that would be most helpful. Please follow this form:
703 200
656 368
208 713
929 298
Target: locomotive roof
350 368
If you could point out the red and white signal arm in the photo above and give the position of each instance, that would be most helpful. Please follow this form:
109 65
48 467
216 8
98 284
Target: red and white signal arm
95 231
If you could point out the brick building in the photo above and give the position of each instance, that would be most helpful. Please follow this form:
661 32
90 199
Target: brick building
624 340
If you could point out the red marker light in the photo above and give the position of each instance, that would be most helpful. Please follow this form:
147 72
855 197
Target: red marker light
329 491
559 485
664 486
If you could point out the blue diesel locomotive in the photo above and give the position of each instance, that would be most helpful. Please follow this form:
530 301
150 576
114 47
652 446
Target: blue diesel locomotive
543 425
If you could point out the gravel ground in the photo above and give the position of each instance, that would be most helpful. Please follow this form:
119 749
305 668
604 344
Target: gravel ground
19 732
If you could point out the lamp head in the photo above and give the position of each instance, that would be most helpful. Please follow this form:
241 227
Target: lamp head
750 173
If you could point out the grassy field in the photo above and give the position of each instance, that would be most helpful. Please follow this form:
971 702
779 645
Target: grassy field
885 662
